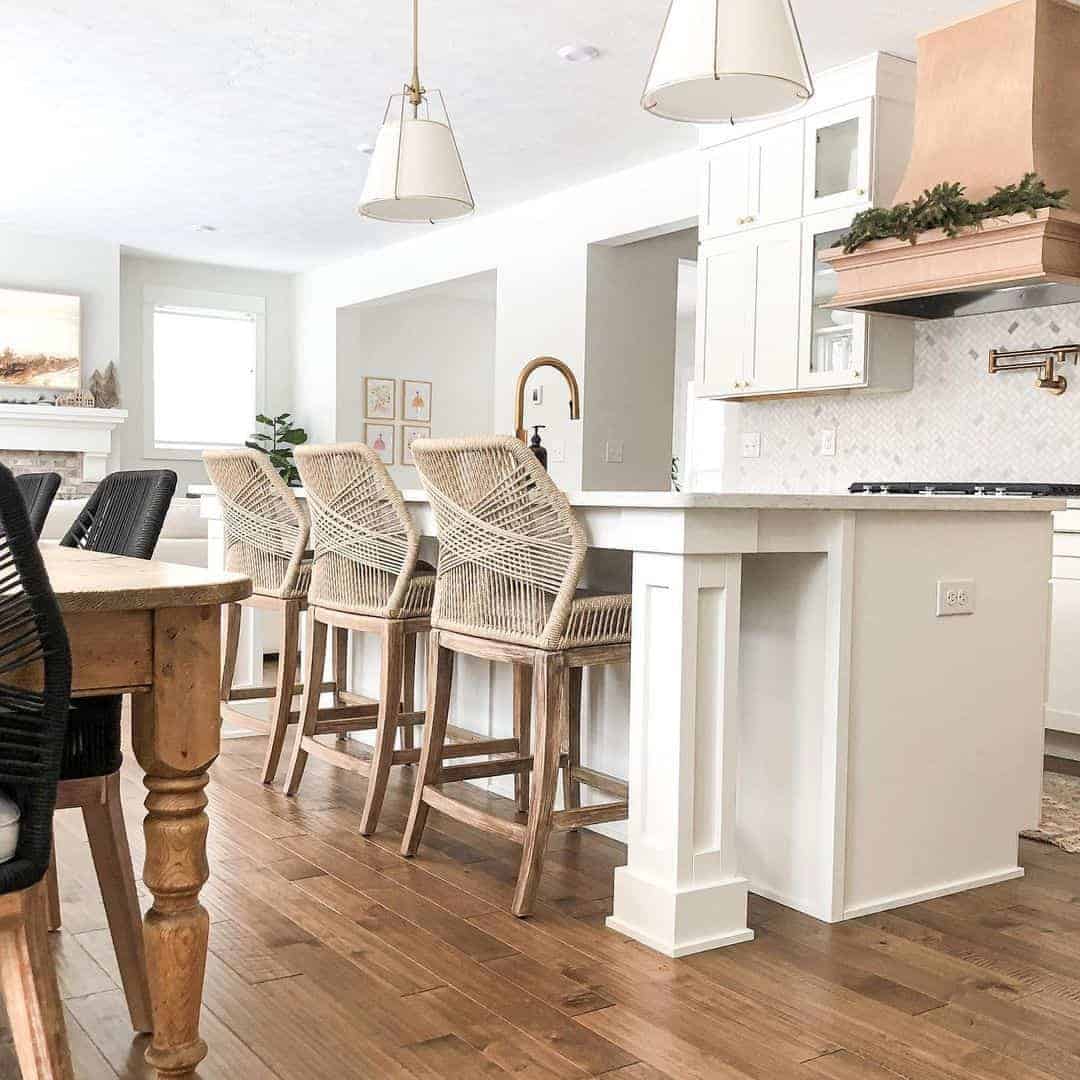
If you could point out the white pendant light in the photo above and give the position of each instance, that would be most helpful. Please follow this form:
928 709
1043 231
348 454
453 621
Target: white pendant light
416 172
727 60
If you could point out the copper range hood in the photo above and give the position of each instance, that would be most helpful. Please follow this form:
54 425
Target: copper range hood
997 96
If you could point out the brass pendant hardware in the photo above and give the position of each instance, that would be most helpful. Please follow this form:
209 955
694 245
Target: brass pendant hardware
1042 360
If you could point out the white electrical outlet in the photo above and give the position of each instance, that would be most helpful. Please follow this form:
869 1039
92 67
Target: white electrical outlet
536 395
613 452
751 444
956 597
556 450
828 442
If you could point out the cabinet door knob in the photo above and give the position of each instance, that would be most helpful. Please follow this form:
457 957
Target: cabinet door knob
860 191
740 221
856 374
749 219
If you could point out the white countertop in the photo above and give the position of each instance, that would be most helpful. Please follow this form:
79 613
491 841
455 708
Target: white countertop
669 500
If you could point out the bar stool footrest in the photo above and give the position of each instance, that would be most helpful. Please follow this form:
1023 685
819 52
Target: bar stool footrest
589 815
471 815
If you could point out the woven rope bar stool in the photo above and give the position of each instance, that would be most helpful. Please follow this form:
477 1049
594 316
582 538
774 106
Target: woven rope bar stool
367 577
511 553
266 537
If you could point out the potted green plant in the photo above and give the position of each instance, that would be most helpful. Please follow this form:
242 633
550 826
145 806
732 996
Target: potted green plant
278 444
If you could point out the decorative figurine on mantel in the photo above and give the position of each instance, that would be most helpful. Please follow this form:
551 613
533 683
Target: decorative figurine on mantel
106 388
76 399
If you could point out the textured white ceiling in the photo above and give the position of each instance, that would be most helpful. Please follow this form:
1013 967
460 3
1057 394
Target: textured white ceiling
136 120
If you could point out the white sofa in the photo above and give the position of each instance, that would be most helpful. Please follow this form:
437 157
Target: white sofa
183 538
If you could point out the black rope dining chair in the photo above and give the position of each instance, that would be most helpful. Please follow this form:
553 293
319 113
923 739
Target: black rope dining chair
35 687
124 516
38 491
125 513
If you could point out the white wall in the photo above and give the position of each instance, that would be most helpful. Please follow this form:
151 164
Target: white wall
444 334
138 271
958 422
539 250
630 360
80 265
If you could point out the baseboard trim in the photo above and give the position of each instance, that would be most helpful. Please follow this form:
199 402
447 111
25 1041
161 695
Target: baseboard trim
948 889
736 937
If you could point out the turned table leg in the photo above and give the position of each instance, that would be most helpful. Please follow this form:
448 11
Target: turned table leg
175 730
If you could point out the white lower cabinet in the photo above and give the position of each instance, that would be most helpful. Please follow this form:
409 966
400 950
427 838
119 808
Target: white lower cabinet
748 330
1063 681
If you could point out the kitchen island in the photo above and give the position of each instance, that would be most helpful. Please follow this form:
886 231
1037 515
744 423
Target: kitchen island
797 719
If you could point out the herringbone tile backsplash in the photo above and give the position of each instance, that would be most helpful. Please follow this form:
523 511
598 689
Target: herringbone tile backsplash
958 422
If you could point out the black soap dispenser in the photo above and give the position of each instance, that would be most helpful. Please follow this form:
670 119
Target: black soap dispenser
535 446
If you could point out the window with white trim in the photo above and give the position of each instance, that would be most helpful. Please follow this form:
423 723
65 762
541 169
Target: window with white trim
205 362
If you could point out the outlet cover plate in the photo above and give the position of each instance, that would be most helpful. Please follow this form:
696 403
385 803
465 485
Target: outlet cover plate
613 452
751 444
828 442
956 597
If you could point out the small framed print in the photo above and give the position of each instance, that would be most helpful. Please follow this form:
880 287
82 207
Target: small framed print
408 434
416 401
380 437
379 398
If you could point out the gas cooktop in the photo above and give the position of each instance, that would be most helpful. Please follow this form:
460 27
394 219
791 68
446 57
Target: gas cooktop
921 487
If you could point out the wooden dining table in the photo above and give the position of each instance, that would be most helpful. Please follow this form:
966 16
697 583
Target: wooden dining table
152 629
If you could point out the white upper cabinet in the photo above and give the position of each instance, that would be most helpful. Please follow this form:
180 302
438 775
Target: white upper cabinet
839 158
776 194
754 181
748 330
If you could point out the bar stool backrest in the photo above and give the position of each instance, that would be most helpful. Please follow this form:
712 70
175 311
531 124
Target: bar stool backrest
125 514
510 548
38 491
266 532
34 702
365 542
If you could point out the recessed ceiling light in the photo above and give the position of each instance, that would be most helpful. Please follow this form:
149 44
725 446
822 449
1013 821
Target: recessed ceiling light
205 228
578 54
366 148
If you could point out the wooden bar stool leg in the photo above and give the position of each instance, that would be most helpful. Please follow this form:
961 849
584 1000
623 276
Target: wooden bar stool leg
231 616
393 655
288 658
408 690
52 893
31 993
572 787
309 707
116 877
522 731
439 682
551 686
340 662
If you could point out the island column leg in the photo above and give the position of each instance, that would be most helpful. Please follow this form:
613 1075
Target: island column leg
680 891
175 729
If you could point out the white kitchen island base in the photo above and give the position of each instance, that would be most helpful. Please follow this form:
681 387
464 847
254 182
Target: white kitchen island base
801 722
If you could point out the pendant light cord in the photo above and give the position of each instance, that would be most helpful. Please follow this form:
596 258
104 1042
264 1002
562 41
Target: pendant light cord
416 94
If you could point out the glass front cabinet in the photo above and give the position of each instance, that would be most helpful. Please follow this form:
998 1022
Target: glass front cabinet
839 158
832 344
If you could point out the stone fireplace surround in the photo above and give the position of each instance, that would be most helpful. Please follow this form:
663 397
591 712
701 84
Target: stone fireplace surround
47 438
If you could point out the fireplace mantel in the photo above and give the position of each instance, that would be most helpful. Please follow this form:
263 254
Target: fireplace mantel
62 428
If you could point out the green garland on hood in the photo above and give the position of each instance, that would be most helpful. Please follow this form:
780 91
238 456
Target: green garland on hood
946 207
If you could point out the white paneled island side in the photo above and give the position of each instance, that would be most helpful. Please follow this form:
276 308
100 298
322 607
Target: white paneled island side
797 720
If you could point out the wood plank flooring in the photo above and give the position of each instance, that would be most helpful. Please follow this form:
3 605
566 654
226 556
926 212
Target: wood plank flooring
331 957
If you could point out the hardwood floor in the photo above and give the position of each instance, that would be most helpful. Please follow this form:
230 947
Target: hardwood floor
331 957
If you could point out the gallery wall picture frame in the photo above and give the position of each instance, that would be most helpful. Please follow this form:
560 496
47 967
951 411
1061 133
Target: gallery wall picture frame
381 438
40 337
380 398
409 432
416 401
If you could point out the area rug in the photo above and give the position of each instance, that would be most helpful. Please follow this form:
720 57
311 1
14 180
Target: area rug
1060 824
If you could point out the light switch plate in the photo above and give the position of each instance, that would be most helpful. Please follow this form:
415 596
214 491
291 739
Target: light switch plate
613 452
751 444
828 442
956 597
536 395
557 450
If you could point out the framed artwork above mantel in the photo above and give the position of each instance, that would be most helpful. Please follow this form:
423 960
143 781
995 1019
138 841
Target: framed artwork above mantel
39 340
